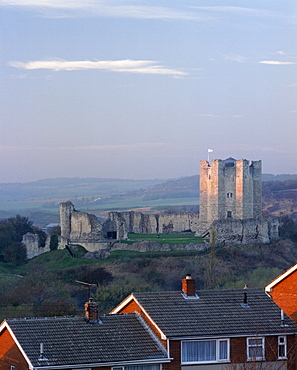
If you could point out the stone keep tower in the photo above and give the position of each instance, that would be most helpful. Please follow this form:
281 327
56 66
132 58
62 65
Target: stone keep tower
66 210
229 189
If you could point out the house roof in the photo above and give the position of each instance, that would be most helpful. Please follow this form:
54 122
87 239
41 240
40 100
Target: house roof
73 341
281 277
214 313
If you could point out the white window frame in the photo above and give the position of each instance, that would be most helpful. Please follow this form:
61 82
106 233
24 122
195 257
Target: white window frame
282 341
125 367
217 359
12 367
248 346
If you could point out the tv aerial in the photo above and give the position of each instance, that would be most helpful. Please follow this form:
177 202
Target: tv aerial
88 285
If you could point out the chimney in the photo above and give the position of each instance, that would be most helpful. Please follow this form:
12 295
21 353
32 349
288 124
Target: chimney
188 286
91 311
244 303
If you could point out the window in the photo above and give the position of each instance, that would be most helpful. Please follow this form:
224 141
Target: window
282 347
12 367
229 214
213 350
229 195
255 349
138 367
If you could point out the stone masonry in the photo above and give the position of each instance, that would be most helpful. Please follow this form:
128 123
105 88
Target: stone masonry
229 189
231 203
85 229
164 223
31 242
247 231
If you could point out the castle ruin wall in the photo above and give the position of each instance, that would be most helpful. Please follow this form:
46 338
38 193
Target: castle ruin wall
85 226
31 242
164 223
247 231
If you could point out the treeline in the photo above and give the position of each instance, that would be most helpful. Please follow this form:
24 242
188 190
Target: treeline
271 187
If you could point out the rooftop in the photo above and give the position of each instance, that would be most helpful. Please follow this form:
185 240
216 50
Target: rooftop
214 313
71 340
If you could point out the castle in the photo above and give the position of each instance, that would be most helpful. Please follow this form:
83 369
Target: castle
230 204
229 189
85 229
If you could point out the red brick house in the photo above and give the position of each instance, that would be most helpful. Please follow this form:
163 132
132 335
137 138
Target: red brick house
283 291
180 330
118 342
217 329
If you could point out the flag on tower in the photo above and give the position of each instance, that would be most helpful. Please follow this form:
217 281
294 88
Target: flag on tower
210 150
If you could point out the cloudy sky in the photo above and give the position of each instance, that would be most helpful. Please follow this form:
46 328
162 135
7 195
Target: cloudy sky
143 88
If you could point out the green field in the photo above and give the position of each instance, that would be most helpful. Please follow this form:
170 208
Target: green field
137 202
171 239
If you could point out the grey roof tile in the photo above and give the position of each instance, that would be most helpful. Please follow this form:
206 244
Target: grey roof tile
216 312
71 340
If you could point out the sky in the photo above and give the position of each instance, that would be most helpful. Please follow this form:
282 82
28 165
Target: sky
142 89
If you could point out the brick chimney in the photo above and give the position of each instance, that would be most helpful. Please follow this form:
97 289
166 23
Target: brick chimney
188 286
91 311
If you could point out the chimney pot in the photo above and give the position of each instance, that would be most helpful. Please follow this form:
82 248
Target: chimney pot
91 311
188 286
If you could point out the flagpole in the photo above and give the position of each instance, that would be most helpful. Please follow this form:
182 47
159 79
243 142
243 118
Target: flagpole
209 151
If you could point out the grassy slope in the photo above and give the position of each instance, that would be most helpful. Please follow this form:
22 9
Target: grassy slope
129 271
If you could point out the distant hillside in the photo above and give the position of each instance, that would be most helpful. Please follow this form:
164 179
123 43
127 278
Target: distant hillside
69 188
39 200
280 197
189 186
184 187
270 177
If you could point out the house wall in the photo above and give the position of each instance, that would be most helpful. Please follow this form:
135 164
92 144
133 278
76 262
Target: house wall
284 294
238 351
10 354
175 354
238 356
